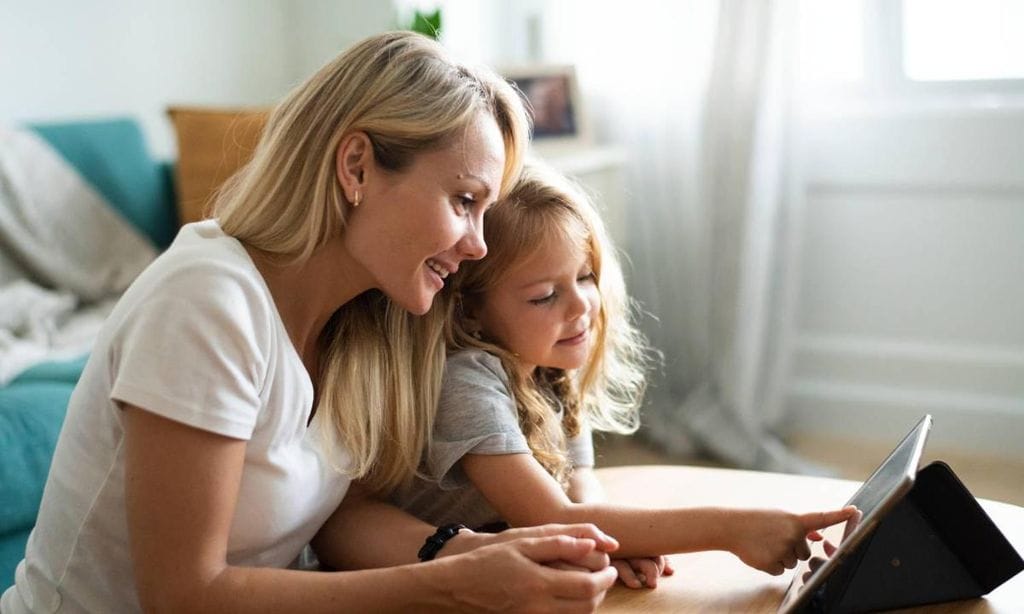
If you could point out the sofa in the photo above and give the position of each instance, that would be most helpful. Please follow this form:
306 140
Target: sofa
112 156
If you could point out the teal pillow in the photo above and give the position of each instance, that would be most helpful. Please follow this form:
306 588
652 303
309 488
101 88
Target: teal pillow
12 550
31 415
111 155
64 371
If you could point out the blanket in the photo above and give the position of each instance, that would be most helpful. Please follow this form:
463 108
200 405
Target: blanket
65 256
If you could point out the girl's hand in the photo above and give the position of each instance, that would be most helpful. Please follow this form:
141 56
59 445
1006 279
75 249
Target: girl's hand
773 541
641 572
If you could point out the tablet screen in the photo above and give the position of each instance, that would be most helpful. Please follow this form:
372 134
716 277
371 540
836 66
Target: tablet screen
881 491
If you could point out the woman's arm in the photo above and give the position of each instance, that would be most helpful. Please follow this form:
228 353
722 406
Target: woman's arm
181 485
350 539
524 494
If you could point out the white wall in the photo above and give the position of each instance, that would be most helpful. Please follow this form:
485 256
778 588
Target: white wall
911 299
67 59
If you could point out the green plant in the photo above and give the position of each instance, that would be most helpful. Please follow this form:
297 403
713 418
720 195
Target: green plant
428 24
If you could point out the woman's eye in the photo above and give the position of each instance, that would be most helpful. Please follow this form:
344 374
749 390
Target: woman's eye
465 202
585 278
543 300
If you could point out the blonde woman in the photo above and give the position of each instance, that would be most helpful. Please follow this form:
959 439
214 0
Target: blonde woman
286 347
545 350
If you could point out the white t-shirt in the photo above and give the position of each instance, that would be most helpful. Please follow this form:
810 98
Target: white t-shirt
196 339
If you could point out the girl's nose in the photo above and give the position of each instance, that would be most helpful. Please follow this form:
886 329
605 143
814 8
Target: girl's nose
578 305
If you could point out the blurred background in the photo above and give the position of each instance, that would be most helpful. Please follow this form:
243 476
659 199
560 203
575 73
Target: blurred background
821 202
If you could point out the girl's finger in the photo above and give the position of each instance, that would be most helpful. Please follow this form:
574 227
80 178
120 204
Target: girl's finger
646 571
626 573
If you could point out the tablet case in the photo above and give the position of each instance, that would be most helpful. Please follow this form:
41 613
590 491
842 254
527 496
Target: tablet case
936 544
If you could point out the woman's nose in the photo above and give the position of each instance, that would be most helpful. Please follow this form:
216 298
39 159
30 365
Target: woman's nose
472 244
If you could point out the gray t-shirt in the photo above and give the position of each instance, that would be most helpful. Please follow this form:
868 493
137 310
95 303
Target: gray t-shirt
476 415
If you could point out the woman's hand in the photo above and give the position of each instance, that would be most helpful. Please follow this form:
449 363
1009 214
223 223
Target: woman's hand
773 541
641 572
594 560
518 576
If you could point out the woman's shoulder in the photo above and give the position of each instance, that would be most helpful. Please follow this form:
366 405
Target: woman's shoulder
202 258
206 274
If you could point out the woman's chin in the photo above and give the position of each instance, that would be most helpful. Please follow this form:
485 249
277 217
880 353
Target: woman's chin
417 305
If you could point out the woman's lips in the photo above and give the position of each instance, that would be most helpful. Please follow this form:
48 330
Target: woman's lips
436 280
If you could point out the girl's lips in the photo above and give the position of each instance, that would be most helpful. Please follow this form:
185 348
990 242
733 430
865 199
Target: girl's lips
575 340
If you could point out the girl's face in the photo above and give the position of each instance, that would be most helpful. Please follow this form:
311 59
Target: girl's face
545 307
414 227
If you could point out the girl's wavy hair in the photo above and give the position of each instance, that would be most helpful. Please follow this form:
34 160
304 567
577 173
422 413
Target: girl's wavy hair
607 391
381 367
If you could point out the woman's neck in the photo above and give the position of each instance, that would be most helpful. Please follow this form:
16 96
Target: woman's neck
308 293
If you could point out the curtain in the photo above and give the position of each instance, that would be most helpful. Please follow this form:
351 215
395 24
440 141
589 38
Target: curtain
700 94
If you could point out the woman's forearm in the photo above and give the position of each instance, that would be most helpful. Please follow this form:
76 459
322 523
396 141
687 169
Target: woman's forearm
256 590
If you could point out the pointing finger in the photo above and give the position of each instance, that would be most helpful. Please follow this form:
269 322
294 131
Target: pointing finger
820 520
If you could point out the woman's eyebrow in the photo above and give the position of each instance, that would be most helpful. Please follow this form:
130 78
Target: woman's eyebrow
486 187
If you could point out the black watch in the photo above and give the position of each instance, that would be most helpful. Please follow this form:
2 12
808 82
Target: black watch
437 541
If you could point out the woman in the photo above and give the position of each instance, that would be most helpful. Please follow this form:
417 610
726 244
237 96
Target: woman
286 347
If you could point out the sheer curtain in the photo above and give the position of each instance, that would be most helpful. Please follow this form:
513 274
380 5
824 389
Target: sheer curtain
699 93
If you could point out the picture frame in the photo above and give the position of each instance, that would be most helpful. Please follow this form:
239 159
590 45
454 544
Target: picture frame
552 95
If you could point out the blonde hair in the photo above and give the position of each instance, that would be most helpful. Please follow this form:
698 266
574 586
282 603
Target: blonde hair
380 367
608 389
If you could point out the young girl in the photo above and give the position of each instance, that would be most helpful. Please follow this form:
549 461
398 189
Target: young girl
542 351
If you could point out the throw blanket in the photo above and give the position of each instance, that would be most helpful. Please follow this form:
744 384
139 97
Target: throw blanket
65 256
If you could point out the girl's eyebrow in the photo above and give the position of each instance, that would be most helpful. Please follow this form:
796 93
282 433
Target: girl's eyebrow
545 280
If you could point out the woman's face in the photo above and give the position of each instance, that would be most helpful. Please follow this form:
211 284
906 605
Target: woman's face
414 227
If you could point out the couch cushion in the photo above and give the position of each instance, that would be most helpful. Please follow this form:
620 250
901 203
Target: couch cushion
112 156
12 550
67 371
212 145
31 414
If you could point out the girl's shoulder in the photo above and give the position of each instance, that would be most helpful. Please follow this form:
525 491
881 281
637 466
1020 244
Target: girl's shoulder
474 364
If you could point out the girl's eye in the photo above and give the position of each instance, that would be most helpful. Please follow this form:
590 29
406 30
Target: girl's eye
544 300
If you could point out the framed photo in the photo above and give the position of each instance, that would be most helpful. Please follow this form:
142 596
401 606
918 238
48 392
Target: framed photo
553 99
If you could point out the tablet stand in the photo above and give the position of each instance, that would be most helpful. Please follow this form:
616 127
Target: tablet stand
936 544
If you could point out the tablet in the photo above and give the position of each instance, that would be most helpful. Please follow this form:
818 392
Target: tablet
880 492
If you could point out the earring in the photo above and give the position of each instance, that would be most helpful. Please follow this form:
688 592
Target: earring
358 199
476 334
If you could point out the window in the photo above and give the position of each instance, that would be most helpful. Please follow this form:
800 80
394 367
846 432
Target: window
958 40
893 47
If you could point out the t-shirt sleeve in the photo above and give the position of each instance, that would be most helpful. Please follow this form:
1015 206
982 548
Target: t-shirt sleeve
193 351
581 447
476 415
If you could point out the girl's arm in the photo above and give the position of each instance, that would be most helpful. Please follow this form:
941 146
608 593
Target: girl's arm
524 494
635 572
584 486
181 486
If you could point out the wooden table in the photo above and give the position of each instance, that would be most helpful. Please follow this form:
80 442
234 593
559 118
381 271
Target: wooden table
718 581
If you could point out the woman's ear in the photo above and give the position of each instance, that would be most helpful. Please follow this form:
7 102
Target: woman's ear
352 160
